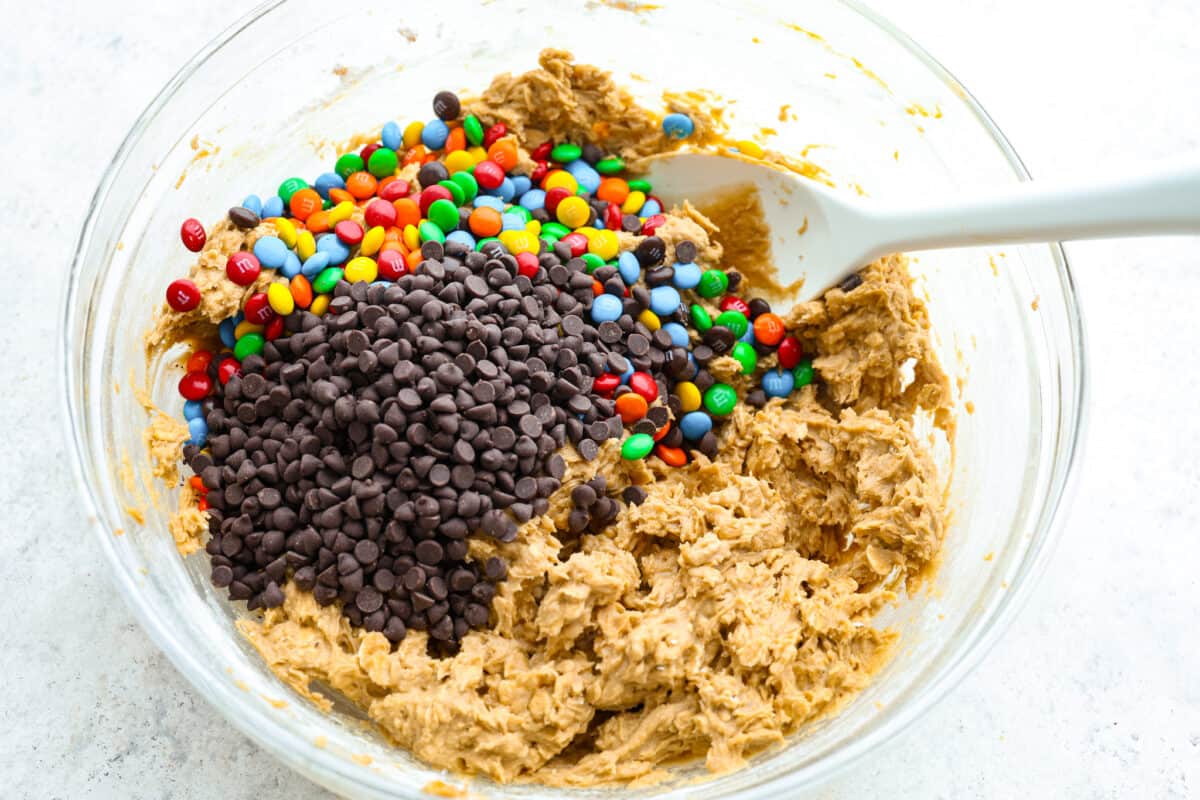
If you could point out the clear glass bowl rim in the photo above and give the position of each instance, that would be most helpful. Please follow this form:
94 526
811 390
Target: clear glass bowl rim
303 755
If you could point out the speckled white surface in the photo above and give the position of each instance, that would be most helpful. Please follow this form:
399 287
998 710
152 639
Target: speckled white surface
1092 693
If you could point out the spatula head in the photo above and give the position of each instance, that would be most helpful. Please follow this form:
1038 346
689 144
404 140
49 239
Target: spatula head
795 209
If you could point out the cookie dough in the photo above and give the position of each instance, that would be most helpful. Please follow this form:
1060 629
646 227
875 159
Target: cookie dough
732 606
714 619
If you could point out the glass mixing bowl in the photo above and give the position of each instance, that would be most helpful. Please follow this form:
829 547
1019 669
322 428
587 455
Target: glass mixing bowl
263 100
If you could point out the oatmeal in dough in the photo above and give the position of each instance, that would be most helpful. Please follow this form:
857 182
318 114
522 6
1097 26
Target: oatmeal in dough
712 620
565 101
732 606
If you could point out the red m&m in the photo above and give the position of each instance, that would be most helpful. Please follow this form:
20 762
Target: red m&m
193 235
195 385
183 295
242 268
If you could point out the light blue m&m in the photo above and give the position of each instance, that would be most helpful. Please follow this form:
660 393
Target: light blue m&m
629 267
606 308
271 252
664 300
678 126
678 333
778 382
695 424
687 276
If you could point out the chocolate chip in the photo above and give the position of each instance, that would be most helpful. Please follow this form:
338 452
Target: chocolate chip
583 495
685 251
634 495
851 282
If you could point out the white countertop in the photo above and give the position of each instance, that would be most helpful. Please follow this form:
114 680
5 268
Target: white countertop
1092 693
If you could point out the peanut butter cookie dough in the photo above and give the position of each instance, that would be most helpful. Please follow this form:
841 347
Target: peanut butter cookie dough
730 606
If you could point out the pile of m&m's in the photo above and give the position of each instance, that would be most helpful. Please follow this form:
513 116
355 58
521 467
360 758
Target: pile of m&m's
362 223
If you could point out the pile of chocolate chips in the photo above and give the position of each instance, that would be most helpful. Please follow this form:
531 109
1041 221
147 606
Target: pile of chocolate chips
358 452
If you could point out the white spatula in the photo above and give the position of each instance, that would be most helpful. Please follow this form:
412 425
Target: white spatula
844 234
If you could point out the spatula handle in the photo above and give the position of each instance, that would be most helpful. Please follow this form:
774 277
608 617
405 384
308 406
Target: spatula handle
1163 201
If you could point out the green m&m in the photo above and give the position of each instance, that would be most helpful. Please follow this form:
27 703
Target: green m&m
565 152
443 214
429 231
469 185
701 321
473 128
803 373
250 344
734 320
456 191
293 185
713 283
637 446
346 166
555 230
382 162
326 280
720 399
744 354
610 165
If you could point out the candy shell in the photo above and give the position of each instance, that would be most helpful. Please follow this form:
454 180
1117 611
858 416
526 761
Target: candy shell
769 329
248 345
183 295
671 456
694 424
191 232
258 309
270 251
606 308
637 446
631 407
678 126
713 283
198 432
489 174
361 270
195 385
778 382
391 265
720 399
687 276
291 265
313 265
272 207
434 134
225 331
242 267
279 297
664 300
326 181
565 151
804 373
391 136
790 352
744 354
227 369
